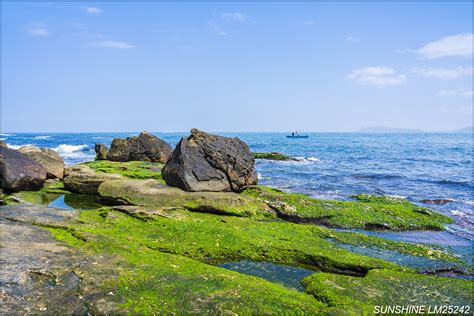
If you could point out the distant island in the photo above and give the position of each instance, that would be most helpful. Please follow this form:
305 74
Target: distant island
385 129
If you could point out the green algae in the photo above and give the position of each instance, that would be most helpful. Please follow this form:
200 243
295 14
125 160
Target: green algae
373 213
129 169
272 156
388 287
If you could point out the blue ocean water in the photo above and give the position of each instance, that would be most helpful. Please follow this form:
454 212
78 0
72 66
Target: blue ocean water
336 165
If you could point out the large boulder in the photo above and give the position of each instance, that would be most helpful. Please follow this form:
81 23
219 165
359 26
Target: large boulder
20 172
83 179
101 152
48 158
205 162
144 147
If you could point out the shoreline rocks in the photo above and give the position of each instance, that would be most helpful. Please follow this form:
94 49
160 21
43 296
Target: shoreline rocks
206 162
19 172
144 147
273 156
48 158
101 152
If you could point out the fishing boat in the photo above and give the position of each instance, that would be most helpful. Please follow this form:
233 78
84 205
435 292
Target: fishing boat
296 135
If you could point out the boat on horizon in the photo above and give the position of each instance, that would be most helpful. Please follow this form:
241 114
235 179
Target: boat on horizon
296 135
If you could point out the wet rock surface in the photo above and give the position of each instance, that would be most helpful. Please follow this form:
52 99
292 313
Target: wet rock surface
144 147
41 274
19 172
206 162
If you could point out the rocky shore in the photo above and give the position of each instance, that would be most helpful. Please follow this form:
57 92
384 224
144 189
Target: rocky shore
146 228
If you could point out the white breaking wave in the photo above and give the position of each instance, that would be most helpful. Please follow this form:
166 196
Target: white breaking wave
2 138
42 137
71 151
458 213
308 159
259 176
6 135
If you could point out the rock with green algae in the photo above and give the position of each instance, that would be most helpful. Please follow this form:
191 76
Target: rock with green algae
153 193
371 212
272 156
129 169
384 287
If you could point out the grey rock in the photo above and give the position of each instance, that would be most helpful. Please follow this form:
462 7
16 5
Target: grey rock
19 172
144 147
48 158
101 152
206 162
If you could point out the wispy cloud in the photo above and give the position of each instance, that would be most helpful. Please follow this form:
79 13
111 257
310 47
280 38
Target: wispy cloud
379 76
93 10
444 73
112 44
234 17
38 29
309 23
465 93
450 46
352 39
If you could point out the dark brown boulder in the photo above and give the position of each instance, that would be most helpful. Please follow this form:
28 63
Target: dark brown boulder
101 152
144 147
206 162
19 172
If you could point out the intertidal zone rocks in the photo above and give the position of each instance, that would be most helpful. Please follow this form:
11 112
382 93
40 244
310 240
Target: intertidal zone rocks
146 247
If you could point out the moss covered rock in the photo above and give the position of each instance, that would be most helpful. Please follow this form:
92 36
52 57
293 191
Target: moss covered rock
372 212
388 287
272 156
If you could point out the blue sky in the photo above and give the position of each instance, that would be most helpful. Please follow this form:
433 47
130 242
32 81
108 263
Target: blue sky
103 67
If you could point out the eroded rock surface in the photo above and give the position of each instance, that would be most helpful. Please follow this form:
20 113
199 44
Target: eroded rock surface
206 162
41 274
20 172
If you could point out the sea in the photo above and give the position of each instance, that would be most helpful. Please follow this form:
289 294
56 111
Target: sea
415 166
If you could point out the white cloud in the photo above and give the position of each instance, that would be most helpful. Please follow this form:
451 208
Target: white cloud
309 23
234 17
450 46
380 76
93 10
444 73
38 29
113 44
352 39
456 93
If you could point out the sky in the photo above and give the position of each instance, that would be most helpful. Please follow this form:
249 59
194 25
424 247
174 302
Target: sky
269 66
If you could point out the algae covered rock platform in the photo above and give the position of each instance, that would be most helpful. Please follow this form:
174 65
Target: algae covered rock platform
141 247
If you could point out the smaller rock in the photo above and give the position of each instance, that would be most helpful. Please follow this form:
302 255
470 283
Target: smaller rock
3 144
144 147
101 152
48 158
437 201
273 156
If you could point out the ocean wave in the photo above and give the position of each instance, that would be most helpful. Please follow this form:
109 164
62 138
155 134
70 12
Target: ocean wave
1 138
16 147
42 137
72 151
6 135
458 213
308 159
